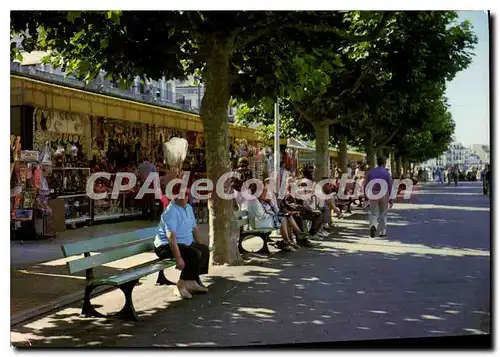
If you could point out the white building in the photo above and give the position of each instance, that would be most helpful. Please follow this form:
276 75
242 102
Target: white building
192 91
458 154
482 151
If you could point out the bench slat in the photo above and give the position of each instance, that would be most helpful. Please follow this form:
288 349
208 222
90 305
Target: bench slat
111 241
111 256
240 214
257 231
135 273
241 222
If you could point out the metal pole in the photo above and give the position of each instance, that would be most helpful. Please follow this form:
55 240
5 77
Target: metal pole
199 96
277 158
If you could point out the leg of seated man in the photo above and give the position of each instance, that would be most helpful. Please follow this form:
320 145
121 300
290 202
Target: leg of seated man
190 273
204 256
193 256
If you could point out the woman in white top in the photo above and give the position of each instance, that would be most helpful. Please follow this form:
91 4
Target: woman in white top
265 215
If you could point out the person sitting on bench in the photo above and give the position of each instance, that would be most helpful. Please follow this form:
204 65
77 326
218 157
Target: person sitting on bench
325 205
179 237
301 211
266 216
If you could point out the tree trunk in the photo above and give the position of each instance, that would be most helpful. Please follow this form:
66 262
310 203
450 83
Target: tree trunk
343 153
392 164
399 165
322 145
370 152
216 129
406 166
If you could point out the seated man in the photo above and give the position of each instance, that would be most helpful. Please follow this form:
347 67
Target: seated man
178 237
302 211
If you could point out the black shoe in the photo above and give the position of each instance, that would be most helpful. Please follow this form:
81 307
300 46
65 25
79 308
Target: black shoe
373 231
280 245
383 235
306 243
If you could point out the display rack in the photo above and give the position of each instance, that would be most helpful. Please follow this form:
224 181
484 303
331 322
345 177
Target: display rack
70 180
69 184
110 209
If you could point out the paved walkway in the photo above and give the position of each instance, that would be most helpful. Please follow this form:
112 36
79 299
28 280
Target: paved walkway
429 277
41 264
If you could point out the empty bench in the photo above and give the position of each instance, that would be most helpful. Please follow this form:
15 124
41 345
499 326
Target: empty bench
112 248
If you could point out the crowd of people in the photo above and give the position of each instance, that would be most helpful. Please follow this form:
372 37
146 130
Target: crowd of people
299 218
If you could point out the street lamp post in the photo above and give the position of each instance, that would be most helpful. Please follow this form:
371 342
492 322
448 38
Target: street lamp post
198 79
277 144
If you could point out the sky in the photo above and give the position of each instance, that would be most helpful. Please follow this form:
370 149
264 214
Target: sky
469 92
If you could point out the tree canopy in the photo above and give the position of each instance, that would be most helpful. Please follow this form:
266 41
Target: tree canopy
221 46
371 90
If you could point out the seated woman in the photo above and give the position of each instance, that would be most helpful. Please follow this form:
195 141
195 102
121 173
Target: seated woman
265 215
326 205
300 212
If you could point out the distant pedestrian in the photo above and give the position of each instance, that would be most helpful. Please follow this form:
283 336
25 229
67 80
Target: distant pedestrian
485 176
456 175
440 175
378 207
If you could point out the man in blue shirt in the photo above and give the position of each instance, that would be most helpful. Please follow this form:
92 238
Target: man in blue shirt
178 237
378 206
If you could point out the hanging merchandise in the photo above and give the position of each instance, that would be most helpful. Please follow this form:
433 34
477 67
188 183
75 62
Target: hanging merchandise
259 165
45 157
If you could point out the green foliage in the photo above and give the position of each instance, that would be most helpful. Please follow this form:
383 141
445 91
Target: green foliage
432 138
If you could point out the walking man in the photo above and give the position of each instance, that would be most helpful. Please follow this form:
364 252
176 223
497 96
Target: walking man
379 201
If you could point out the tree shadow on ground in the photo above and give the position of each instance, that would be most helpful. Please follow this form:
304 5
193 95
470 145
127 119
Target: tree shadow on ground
314 295
419 281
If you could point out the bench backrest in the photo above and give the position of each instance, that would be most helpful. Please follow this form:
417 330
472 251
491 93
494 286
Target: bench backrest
242 220
110 248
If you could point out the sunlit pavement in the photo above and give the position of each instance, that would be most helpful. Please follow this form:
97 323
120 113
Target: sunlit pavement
429 277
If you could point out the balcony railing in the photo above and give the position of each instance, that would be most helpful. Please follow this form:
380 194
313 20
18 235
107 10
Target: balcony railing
105 87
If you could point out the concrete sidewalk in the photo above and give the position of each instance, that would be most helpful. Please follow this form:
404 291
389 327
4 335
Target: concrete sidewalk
40 281
430 277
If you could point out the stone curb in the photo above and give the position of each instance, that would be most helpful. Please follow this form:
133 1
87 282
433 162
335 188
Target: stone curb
55 305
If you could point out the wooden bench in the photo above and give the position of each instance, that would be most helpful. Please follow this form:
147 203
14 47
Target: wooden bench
244 223
112 248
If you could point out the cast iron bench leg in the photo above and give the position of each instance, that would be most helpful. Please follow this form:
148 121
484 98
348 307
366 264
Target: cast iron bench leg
128 310
265 248
88 310
162 279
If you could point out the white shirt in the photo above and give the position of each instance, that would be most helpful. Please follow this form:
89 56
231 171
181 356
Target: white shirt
260 218
241 201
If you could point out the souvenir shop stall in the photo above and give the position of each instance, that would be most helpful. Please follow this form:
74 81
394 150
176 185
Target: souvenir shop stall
260 157
33 213
304 157
299 157
66 139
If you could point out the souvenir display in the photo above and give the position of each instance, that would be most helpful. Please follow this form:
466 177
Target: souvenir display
29 190
70 180
61 135
77 209
76 145
29 156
